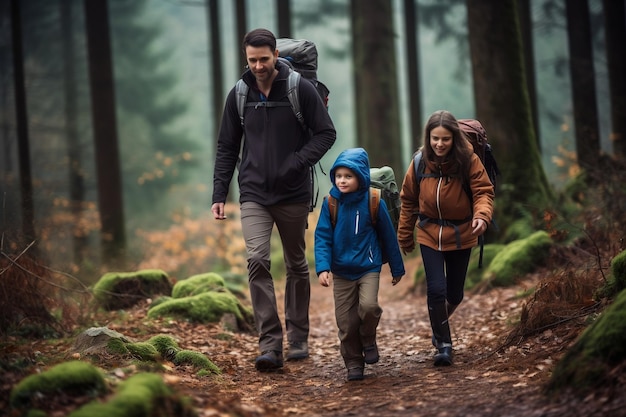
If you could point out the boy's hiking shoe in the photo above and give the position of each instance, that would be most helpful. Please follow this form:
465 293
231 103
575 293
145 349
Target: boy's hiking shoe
355 374
298 350
371 354
269 361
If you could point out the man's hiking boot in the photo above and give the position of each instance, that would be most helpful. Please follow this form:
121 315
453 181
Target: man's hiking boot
444 356
269 361
371 354
298 350
355 374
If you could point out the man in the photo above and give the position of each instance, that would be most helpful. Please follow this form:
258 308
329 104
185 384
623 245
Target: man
275 188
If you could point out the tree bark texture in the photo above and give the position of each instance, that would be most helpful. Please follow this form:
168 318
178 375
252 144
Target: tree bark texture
615 24
21 114
376 84
502 103
413 74
583 83
104 121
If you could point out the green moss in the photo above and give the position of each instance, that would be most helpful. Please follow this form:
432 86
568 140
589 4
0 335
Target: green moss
206 307
144 394
474 273
160 300
116 290
237 283
618 269
165 345
197 284
517 259
143 351
117 346
36 413
197 360
72 377
598 349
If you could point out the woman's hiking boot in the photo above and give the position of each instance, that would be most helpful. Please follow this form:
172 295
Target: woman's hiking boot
442 340
444 356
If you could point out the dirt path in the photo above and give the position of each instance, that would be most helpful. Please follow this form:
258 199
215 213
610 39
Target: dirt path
486 379
482 382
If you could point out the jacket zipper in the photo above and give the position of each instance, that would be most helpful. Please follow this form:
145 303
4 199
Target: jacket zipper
440 243
356 224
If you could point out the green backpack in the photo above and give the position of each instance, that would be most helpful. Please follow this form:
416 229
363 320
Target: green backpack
382 186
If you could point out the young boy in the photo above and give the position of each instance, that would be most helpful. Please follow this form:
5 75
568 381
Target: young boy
351 252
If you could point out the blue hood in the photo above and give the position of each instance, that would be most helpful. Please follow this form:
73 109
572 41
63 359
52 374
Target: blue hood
357 160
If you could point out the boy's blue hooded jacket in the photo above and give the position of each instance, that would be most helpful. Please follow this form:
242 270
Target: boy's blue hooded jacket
353 247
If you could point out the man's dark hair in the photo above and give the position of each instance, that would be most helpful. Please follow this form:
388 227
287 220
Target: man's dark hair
259 37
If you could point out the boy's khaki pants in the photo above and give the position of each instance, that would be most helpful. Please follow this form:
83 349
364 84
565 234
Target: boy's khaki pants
357 313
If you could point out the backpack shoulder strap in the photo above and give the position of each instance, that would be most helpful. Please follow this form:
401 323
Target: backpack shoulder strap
293 80
241 95
374 203
419 166
332 207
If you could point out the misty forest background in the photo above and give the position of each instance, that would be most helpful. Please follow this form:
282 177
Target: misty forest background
109 110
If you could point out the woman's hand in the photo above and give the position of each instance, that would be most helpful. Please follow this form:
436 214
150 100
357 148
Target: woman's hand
479 226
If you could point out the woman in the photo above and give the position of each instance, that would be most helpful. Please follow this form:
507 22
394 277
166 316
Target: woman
452 197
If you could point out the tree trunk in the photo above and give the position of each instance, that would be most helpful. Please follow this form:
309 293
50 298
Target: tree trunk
215 40
376 83
503 106
105 131
240 10
74 160
412 58
583 83
615 26
526 25
26 183
283 7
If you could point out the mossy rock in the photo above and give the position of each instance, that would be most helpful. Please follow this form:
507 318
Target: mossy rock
143 394
197 360
165 345
517 259
95 340
118 290
602 346
236 283
206 307
197 284
474 273
72 378
618 270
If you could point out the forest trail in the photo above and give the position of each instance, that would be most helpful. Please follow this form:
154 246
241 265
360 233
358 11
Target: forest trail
485 380
491 375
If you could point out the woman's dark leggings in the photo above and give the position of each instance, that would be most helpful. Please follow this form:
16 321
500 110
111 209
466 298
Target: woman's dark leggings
445 274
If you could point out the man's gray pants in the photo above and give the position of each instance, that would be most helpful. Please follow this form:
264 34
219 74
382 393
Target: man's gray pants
257 223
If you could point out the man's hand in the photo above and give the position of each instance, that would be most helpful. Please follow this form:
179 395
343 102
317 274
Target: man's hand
325 278
218 211
395 280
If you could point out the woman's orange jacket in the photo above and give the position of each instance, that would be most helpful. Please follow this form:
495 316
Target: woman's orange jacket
441 208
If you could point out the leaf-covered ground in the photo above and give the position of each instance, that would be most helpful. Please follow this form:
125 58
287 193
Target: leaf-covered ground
492 375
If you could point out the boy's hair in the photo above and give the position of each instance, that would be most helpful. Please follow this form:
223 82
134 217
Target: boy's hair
259 37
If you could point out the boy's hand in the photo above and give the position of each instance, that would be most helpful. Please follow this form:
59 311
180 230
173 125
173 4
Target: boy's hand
325 278
395 280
